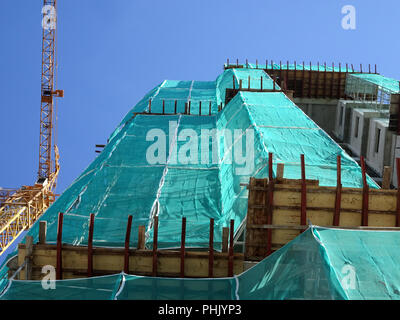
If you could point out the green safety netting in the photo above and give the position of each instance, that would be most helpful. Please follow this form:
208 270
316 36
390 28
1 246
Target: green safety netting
384 83
325 263
320 263
151 288
287 132
96 288
122 180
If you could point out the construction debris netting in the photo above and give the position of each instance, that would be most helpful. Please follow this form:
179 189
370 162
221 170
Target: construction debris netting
373 89
150 167
384 83
321 263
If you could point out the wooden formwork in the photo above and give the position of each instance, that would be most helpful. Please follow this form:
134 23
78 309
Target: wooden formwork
280 209
326 82
111 261
72 261
312 84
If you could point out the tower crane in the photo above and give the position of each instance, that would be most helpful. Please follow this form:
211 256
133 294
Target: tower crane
20 208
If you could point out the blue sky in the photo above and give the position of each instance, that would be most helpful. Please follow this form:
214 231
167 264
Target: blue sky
111 53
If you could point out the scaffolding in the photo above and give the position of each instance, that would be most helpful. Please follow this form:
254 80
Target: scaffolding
19 209
372 89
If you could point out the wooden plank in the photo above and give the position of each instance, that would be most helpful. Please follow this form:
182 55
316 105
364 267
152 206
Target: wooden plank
141 237
230 257
42 231
295 185
280 170
127 241
90 247
59 247
287 74
303 219
183 238
300 227
339 92
338 199
286 182
324 209
225 236
270 200
155 242
250 217
387 176
364 221
28 257
274 89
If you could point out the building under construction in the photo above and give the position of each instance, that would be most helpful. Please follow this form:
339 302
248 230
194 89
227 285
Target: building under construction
290 222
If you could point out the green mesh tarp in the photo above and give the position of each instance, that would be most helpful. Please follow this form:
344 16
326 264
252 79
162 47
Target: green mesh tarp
321 263
96 288
388 84
122 181
325 263
149 288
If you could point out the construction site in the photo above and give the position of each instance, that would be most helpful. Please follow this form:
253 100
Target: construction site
276 180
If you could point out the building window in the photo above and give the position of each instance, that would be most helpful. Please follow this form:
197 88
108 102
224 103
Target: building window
356 127
377 139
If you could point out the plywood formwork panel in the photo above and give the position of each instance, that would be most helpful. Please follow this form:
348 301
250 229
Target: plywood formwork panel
319 208
111 261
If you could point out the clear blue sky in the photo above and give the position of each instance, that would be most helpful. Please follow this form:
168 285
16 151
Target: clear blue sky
111 53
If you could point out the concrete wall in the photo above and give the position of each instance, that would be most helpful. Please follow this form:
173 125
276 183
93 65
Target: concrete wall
379 146
359 130
342 128
321 111
338 119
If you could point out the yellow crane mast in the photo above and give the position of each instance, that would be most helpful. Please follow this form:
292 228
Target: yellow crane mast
19 209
